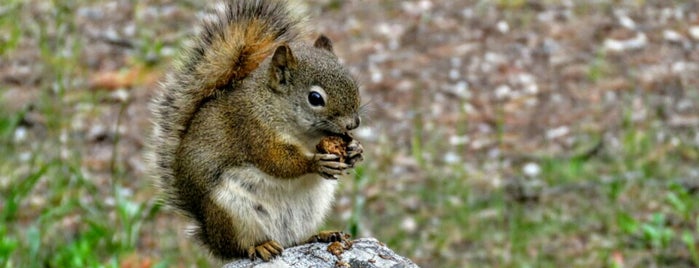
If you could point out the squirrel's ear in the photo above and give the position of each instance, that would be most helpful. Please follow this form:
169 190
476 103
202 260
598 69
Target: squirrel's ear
324 42
282 62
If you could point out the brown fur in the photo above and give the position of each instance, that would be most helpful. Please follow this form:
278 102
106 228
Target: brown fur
234 133
210 64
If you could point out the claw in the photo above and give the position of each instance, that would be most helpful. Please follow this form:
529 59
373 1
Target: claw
265 251
328 236
325 157
334 165
354 149
328 176
330 171
354 160
329 165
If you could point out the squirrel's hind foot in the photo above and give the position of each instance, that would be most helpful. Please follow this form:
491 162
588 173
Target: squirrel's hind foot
328 236
265 251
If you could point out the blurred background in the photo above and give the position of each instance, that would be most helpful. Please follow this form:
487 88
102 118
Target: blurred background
507 133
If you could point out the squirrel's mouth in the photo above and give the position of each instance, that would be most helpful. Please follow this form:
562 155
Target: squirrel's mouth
331 133
344 135
328 128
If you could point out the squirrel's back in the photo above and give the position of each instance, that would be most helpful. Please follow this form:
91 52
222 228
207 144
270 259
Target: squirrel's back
232 44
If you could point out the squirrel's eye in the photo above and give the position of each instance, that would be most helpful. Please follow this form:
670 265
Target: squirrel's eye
315 99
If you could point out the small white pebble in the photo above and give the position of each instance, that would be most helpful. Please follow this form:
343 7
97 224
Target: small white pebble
461 90
417 8
496 182
455 200
168 51
20 134
531 89
502 26
684 105
468 108
120 95
25 156
408 224
503 91
455 62
453 74
675 141
346 214
376 76
458 140
672 36
451 158
467 13
627 22
63 137
531 169
109 201
96 131
684 66
694 32
639 41
5 181
129 30
557 132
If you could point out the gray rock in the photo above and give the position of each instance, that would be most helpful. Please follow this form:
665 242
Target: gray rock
360 253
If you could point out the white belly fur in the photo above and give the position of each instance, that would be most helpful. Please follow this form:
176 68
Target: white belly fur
295 208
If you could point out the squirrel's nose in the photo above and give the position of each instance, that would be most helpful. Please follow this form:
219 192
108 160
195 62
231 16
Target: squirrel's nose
354 124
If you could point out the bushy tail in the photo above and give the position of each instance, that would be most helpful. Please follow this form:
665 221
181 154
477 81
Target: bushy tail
232 44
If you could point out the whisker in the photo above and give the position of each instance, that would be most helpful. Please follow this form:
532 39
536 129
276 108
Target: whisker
367 111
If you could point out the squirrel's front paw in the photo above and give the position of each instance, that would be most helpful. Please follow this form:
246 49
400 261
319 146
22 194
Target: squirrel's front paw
328 165
354 153
265 251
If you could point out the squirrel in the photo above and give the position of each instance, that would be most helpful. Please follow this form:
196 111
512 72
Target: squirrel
235 129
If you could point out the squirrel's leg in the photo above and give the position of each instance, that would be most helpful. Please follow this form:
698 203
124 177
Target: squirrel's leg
219 231
328 236
235 233
284 160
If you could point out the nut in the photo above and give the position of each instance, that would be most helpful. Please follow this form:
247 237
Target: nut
336 145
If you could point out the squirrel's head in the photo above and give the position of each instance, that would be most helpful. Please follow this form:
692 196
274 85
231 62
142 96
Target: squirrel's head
323 94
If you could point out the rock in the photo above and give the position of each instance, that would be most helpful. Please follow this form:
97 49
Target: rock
364 253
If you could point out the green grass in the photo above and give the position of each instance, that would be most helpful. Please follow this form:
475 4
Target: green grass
619 202
624 202
53 213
